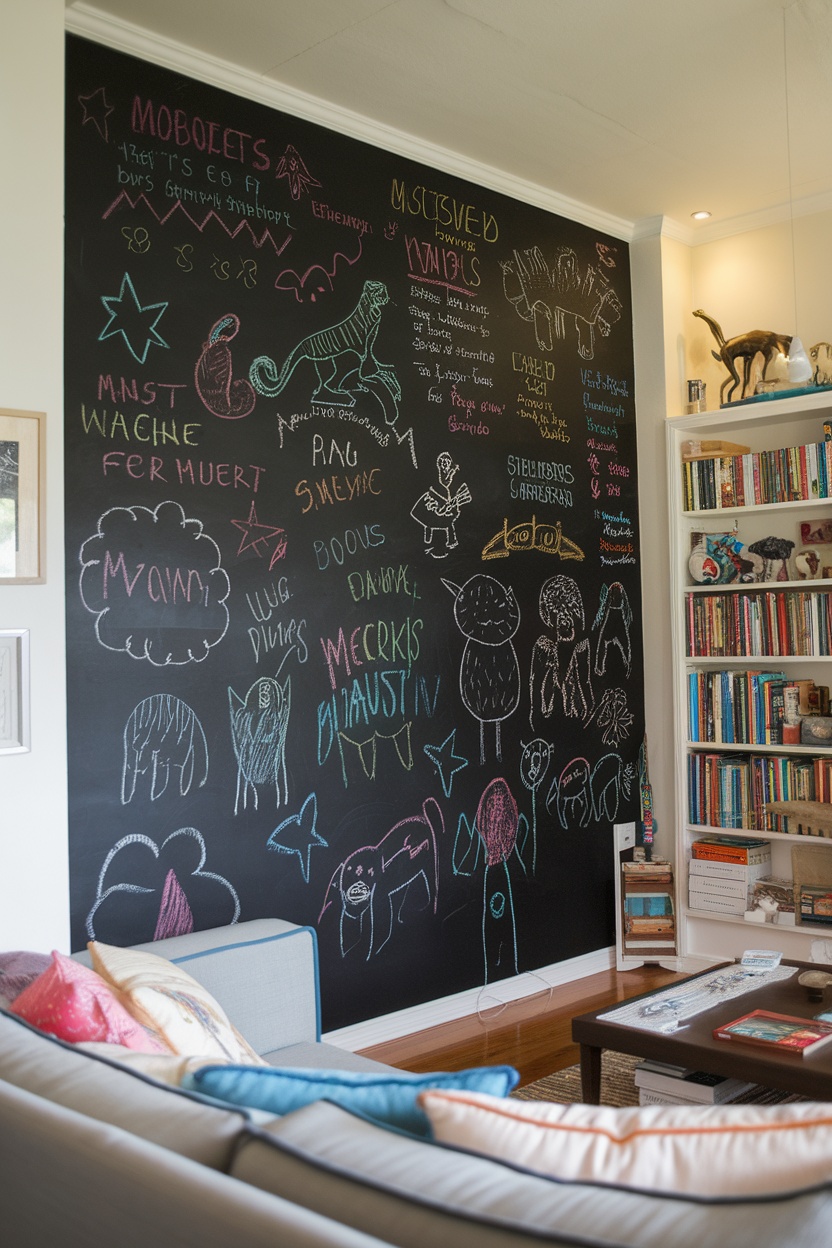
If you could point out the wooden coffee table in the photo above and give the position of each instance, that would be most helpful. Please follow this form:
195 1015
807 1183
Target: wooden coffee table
693 1044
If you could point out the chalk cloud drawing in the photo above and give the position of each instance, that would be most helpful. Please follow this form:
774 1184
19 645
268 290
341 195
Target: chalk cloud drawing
155 583
148 892
554 298
498 835
487 615
343 358
298 834
224 395
163 737
259 723
437 510
375 887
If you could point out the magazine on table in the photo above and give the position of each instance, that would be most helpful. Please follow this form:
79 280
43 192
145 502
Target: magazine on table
783 1032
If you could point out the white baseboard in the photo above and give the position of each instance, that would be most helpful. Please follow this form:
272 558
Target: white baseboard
487 1002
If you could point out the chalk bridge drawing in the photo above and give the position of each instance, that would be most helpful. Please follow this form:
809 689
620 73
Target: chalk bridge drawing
343 358
224 395
551 298
560 675
148 892
163 735
582 794
155 583
529 535
298 834
136 323
376 886
499 834
487 615
259 723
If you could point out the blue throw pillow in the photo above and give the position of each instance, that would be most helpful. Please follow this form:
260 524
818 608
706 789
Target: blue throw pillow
387 1098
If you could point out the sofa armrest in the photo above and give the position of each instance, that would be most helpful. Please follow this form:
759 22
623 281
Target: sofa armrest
264 973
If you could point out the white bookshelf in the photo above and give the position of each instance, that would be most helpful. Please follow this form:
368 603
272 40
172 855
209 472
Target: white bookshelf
768 425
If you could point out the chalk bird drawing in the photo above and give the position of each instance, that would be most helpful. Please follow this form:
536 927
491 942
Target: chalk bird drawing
259 723
487 615
343 357
372 886
163 736
298 834
224 395
498 835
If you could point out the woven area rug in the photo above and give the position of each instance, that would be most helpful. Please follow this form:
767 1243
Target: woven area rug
618 1086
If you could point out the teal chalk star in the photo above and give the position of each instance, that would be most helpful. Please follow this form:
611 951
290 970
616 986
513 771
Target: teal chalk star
445 761
130 318
298 835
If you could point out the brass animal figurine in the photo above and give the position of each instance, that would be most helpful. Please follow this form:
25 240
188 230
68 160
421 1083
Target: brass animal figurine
744 347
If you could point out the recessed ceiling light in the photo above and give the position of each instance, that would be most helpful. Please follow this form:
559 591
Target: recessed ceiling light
702 215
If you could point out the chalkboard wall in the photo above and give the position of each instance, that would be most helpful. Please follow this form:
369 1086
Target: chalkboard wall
353 600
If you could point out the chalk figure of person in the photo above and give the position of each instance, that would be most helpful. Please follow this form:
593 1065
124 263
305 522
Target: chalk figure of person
437 510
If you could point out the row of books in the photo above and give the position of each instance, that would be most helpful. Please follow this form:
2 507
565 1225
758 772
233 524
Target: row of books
756 623
788 474
732 791
726 707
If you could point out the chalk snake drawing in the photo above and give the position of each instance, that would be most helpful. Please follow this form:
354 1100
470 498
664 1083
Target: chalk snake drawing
373 885
343 358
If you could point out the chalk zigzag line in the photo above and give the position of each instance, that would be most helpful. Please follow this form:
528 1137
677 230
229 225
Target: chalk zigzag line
178 206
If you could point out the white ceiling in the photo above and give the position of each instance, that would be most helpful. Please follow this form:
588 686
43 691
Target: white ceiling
637 108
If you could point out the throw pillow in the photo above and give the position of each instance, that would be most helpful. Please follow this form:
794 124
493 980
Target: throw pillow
18 969
161 995
388 1098
73 1003
717 1151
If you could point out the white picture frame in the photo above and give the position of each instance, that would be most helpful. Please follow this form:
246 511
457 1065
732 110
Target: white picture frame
14 691
22 497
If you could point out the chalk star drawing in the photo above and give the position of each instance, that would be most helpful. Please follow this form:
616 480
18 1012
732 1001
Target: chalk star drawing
256 535
446 762
97 110
299 835
125 308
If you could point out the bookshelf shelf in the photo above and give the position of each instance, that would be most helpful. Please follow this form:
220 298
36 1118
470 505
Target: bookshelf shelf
768 429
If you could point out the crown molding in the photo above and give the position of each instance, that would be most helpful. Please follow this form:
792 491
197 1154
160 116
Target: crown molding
90 23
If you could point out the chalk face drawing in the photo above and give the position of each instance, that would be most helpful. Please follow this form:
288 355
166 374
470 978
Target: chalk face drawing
224 395
487 615
298 835
259 723
375 885
155 583
163 738
498 835
438 509
148 892
553 299
340 354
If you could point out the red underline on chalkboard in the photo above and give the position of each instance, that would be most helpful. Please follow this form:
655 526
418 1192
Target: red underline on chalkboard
232 233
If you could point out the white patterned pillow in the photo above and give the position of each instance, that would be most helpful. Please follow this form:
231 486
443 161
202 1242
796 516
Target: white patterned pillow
160 994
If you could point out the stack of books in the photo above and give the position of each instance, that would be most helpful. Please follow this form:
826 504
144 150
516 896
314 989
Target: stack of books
659 1083
648 911
723 872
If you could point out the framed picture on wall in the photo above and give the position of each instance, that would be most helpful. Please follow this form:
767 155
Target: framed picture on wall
14 691
22 497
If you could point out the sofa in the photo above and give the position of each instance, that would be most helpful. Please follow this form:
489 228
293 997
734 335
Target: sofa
95 1149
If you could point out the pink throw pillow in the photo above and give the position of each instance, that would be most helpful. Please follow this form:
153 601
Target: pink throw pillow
73 1003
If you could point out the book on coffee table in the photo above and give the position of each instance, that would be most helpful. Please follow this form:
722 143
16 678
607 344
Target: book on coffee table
783 1032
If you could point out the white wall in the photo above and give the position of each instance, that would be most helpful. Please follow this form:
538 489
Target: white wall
34 899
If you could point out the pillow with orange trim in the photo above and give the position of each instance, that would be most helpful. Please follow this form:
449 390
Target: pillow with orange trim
698 1151
161 995
70 1001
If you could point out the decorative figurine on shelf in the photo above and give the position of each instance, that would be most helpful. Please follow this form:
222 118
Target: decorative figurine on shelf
806 565
744 347
719 558
774 550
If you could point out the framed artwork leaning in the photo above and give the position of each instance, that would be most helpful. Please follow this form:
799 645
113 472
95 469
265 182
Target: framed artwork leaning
22 497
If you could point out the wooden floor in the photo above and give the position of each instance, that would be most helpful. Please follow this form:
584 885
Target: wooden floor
533 1034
